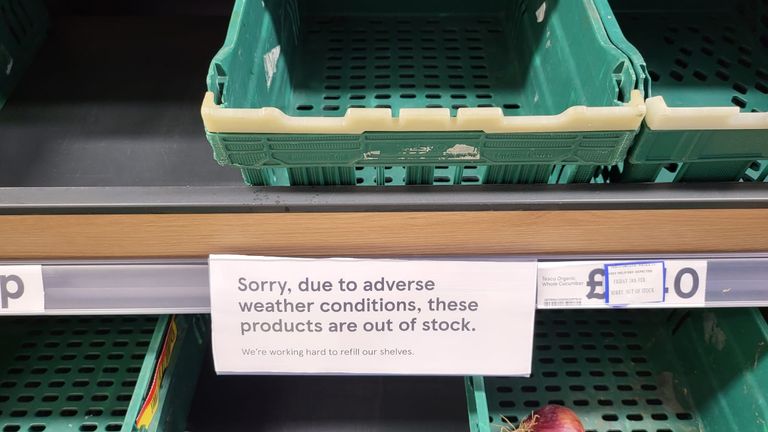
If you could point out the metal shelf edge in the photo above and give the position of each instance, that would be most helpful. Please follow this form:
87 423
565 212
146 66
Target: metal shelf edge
214 199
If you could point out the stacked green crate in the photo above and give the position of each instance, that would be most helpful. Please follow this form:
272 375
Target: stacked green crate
22 29
94 373
429 92
706 83
633 370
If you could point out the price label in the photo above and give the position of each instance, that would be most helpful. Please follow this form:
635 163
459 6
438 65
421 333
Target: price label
581 284
21 289
338 316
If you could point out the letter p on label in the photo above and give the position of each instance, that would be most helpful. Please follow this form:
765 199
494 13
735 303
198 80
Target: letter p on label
21 289
11 287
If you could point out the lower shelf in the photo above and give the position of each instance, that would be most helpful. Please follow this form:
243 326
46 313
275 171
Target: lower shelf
619 370
626 371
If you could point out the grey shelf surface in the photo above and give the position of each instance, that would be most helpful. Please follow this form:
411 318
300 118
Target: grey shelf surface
107 119
114 101
154 287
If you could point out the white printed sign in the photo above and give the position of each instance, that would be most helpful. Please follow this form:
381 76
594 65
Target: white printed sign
21 289
580 284
337 316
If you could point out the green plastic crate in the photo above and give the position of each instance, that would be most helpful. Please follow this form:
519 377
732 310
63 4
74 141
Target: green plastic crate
23 24
92 374
707 84
638 370
308 92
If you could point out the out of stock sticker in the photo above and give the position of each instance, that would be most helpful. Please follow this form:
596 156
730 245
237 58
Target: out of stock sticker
634 282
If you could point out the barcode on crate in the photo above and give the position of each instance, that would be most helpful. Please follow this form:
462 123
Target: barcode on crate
562 302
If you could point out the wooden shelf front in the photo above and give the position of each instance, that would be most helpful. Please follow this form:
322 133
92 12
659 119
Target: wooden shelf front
388 234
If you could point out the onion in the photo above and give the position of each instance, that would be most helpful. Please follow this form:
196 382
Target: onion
551 418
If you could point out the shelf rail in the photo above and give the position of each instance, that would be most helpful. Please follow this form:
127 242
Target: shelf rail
181 286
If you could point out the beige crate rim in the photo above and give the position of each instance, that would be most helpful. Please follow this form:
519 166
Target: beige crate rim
662 117
627 117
